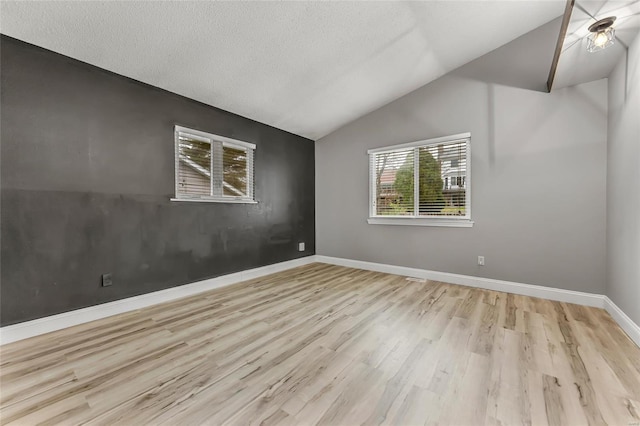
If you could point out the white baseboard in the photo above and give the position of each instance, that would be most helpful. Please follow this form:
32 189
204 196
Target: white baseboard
631 328
39 326
588 299
568 296
48 324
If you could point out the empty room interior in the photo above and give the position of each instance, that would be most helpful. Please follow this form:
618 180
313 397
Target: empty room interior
320 212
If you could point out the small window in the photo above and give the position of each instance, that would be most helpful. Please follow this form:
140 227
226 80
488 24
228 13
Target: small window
212 168
421 183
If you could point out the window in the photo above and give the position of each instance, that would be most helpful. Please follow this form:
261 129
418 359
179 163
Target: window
421 183
212 168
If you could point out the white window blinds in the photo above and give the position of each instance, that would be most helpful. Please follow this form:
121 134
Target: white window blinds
425 179
213 168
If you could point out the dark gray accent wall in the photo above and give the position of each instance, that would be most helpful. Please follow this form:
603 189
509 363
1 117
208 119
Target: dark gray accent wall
87 172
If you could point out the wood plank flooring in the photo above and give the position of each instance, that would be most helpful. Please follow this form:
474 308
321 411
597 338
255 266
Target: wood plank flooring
324 344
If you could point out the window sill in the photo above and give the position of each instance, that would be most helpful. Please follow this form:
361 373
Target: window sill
214 200
454 223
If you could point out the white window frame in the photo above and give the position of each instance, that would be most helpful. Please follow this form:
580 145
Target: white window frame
416 220
226 142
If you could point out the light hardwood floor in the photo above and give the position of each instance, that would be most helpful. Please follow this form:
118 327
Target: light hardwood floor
325 344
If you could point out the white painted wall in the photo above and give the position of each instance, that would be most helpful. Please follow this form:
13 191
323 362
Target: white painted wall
538 183
623 184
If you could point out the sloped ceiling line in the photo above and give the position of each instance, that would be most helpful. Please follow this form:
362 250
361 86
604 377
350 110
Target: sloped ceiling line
563 33
576 64
270 61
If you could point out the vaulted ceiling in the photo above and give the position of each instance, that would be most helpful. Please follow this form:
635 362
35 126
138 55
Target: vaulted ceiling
305 67
576 64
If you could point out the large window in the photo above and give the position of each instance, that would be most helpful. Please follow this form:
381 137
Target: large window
421 183
212 168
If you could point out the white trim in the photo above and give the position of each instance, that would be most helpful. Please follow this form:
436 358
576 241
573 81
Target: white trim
250 174
631 328
416 181
216 200
588 299
176 161
216 143
44 325
372 185
423 142
211 136
412 221
468 181
416 219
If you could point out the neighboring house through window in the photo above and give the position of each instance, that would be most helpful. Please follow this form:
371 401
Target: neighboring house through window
421 183
212 168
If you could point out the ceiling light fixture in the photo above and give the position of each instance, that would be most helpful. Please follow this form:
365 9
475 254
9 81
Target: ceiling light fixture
602 34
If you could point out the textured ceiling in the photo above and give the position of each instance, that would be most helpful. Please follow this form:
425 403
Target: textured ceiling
305 67
576 64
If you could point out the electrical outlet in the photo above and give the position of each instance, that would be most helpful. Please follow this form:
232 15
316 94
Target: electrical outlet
481 260
300 246
106 280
